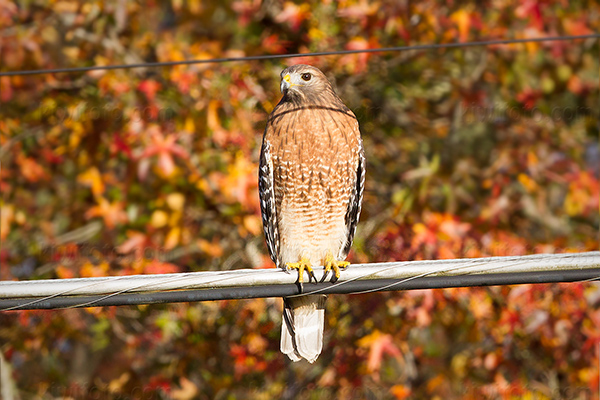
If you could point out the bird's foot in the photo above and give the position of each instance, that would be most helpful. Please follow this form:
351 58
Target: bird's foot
302 265
332 264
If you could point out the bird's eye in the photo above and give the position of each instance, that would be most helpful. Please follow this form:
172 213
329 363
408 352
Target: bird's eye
306 76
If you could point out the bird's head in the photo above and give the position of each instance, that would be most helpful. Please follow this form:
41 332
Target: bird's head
303 80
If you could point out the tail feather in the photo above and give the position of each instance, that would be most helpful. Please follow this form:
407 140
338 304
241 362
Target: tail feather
287 337
302 327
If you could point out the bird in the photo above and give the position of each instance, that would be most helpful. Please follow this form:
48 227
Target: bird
311 183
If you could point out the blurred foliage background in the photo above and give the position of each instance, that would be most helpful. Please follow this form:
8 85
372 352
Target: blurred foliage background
472 152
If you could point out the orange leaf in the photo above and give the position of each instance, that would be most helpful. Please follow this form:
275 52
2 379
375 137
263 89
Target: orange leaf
112 213
30 169
92 178
401 392
7 213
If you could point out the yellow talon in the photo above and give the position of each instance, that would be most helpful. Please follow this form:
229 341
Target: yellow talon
302 265
331 263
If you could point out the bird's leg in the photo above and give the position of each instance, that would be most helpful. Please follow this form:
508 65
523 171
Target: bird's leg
302 265
332 264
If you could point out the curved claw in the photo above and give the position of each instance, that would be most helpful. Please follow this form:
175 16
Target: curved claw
324 276
336 266
302 265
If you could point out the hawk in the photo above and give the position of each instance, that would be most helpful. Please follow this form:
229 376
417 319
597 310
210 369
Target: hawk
311 183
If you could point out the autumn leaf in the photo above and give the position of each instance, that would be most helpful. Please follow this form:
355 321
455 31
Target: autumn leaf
149 88
272 44
462 18
30 169
379 345
8 215
93 179
159 267
165 148
137 243
293 14
7 92
112 213
401 392
188 390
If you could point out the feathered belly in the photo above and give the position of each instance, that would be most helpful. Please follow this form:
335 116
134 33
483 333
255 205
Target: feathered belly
311 232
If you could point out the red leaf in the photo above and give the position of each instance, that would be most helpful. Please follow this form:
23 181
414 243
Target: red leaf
149 88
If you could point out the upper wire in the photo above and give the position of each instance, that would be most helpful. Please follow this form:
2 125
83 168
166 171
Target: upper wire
296 55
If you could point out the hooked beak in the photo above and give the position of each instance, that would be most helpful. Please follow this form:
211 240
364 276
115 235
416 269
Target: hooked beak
286 83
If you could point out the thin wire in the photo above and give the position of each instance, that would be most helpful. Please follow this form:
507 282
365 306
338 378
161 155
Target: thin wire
296 55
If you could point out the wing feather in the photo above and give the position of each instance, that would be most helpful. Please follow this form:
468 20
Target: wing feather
355 203
267 202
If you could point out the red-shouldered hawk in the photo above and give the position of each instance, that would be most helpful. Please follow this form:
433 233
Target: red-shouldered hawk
311 181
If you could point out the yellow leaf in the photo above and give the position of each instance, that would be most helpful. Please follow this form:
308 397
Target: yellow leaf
587 374
101 60
20 217
195 6
368 340
175 218
172 239
49 34
159 219
189 125
316 34
71 52
117 384
90 270
419 228
459 364
573 203
175 201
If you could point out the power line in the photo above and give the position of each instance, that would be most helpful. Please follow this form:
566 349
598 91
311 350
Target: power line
355 287
296 55
243 284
